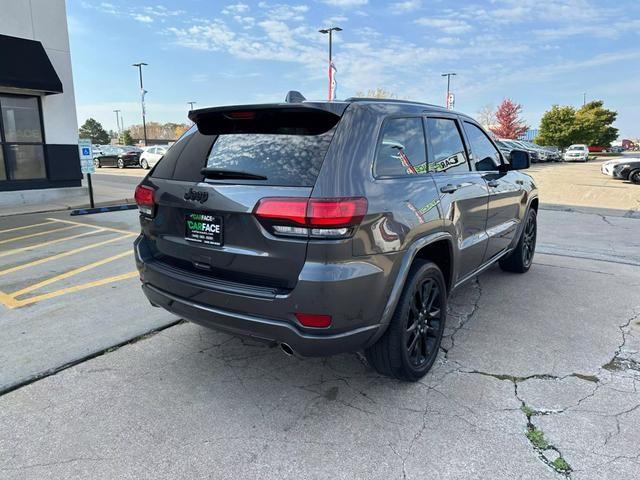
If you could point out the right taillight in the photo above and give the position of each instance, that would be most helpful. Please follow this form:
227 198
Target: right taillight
312 217
145 200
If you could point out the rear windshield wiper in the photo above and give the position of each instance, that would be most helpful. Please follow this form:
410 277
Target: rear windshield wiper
223 174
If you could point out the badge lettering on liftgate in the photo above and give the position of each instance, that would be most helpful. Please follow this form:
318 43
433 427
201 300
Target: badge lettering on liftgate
196 196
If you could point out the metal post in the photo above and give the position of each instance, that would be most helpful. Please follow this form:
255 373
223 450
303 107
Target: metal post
330 32
117 112
144 122
90 191
448 75
191 104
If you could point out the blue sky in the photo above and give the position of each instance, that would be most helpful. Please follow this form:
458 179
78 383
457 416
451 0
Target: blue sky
214 52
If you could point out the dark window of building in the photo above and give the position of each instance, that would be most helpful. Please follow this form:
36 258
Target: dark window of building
21 139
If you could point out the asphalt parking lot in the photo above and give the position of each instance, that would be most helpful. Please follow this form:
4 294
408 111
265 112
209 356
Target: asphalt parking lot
534 368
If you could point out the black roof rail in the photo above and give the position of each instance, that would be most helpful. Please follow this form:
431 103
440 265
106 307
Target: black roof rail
294 96
390 100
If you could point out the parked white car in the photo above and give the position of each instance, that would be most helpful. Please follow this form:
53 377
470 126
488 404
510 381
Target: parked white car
576 152
151 155
607 167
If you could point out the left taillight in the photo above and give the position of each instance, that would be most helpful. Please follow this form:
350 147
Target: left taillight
145 199
311 217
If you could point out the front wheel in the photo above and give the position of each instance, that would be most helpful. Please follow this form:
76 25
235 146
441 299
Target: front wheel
120 163
634 177
144 164
96 162
520 260
410 345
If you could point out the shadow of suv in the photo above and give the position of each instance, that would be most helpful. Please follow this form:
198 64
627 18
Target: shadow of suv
329 227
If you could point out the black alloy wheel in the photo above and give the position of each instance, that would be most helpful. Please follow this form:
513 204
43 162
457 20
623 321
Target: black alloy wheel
423 323
521 258
529 241
409 346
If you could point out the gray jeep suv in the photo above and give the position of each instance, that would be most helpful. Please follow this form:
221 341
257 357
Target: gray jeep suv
329 227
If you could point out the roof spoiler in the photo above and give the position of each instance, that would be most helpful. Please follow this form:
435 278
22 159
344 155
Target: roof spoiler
276 118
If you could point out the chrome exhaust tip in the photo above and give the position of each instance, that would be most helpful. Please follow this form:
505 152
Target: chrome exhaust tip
286 348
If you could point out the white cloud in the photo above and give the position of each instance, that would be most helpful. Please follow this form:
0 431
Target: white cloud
142 18
398 8
447 25
282 12
237 8
346 3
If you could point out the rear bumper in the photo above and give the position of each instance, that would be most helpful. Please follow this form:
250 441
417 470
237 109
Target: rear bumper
261 328
353 293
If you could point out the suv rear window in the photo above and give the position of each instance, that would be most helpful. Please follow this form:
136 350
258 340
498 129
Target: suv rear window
287 160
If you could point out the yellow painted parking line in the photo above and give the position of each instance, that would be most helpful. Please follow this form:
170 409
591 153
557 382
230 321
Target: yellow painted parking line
13 303
25 227
8 301
63 254
50 242
93 226
69 273
31 235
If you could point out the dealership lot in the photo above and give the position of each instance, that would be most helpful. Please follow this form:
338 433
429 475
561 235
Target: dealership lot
555 351
68 289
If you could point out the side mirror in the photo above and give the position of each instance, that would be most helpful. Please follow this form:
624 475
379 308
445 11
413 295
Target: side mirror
519 160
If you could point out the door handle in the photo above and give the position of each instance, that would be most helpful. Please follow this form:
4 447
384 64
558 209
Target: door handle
493 183
449 188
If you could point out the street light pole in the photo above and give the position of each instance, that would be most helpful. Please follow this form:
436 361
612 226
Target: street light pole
330 32
117 112
448 75
191 104
584 99
142 92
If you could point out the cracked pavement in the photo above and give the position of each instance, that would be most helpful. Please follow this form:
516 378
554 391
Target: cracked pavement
555 351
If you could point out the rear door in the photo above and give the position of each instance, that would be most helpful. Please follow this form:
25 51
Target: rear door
463 193
204 222
505 190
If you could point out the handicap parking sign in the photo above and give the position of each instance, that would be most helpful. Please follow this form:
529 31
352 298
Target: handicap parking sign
86 151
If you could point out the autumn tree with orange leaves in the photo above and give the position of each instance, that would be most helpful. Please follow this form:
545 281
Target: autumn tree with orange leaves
508 121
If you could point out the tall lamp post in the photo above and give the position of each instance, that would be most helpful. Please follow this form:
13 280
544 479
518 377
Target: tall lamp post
117 112
330 32
448 75
142 92
191 104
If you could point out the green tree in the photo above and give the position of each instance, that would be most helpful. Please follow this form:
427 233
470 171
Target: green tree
93 129
564 125
127 139
595 124
558 127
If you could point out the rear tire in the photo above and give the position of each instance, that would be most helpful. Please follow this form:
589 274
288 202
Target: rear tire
634 177
410 345
97 163
120 163
520 260
144 164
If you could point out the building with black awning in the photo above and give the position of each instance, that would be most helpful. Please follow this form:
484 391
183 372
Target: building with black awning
38 122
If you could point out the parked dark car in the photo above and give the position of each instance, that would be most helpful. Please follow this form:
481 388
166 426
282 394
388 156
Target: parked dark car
329 227
628 171
117 156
